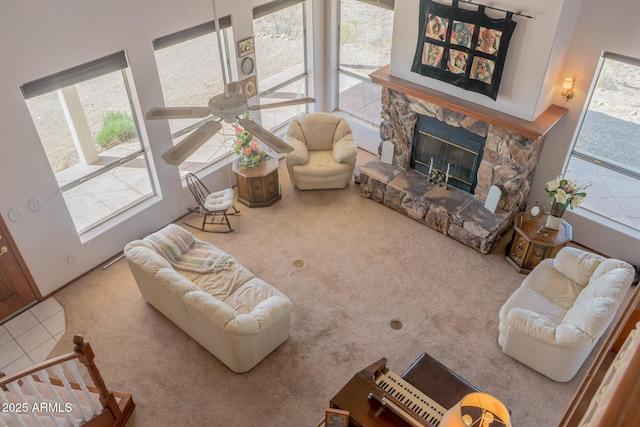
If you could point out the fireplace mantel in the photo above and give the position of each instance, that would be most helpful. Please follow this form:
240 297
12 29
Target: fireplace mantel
534 130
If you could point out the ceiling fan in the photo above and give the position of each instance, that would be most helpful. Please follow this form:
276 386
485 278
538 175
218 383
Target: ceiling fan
228 106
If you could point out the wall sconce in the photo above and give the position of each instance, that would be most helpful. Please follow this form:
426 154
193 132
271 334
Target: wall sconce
567 85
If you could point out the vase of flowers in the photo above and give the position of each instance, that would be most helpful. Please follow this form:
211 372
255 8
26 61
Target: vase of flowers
564 194
250 154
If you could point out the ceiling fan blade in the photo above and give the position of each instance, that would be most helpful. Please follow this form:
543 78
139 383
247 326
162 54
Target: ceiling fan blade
275 143
283 103
178 113
182 150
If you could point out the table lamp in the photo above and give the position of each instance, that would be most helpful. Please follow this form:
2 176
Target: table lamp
477 410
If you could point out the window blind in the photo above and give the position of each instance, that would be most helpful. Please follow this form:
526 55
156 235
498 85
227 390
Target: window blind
87 71
274 6
190 33
387 4
621 58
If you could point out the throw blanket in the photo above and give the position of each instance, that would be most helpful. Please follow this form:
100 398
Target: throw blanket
184 252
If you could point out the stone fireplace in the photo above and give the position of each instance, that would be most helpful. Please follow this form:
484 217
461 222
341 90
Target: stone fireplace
507 160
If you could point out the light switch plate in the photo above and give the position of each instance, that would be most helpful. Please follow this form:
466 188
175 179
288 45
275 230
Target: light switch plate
15 214
35 204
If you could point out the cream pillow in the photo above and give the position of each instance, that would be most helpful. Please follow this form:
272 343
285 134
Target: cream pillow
576 264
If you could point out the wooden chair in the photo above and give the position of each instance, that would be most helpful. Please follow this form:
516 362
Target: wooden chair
213 206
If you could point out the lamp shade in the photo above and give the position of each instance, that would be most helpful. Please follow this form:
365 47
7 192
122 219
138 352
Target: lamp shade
477 410
567 83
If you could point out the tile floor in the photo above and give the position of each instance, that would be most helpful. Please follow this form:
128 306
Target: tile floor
610 194
28 338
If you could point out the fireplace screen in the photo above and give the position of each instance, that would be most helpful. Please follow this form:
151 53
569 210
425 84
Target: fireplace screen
440 147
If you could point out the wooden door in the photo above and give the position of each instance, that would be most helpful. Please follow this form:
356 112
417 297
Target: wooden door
17 289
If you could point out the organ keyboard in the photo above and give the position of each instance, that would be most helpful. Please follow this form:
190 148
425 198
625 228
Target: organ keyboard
410 397
378 397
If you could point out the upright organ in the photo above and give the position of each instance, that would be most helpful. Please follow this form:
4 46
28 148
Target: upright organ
378 397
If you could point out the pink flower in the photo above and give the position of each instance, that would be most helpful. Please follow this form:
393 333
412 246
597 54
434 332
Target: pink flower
254 146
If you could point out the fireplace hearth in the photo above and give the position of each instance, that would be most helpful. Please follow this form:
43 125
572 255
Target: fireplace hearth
500 150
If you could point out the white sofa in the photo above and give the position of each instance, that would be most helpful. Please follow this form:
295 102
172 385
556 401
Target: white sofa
555 318
236 316
324 152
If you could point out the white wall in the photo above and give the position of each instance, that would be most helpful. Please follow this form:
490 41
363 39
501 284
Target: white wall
602 26
529 57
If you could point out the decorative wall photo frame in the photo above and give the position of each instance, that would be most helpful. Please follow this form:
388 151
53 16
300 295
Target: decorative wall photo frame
249 87
246 47
535 211
247 65
336 418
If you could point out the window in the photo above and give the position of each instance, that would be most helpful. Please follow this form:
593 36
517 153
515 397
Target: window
365 30
607 148
281 61
190 74
85 121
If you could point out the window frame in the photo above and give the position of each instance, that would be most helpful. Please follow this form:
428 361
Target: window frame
598 161
265 10
339 71
190 33
85 73
185 35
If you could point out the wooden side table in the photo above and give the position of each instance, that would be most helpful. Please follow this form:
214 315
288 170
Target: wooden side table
258 187
532 242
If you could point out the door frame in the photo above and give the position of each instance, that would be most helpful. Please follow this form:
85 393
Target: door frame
21 263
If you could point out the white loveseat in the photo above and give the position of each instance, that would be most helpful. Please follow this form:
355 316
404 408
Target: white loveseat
236 316
555 318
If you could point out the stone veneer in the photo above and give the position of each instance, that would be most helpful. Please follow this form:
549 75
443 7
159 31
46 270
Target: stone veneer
508 161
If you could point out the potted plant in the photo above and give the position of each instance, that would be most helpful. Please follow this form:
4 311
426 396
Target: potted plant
250 153
564 194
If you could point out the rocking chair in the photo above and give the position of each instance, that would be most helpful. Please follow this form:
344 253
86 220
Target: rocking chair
212 205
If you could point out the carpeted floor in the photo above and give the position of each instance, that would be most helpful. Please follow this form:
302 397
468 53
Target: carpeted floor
364 266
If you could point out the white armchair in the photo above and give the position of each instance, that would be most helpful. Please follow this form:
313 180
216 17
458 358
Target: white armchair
324 154
556 317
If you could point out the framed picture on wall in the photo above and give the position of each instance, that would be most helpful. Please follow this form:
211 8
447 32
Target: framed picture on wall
462 47
249 87
247 65
246 47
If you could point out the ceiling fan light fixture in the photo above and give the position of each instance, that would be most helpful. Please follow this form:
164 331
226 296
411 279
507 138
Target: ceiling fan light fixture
228 106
